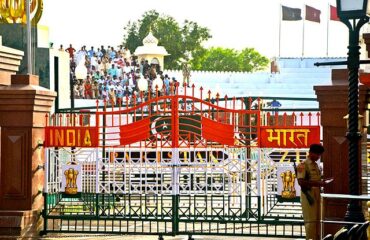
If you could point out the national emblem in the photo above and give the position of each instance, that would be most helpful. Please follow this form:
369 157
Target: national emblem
288 179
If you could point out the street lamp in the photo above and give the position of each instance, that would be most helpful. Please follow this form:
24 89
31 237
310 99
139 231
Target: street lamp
80 73
157 84
81 70
142 84
353 14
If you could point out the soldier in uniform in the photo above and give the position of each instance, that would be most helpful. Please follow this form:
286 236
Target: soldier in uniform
309 178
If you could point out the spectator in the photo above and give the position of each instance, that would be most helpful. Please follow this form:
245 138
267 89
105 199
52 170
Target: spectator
146 67
112 96
71 51
94 62
88 89
166 82
119 95
174 85
126 53
99 54
91 52
95 89
116 71
80 91
113 70
112 53
142 67
80 55
152 73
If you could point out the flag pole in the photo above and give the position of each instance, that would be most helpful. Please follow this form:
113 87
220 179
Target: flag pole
327 30
280 9
303 19
29 49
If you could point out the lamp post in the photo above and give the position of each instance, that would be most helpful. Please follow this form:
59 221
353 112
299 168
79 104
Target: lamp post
157 84
142 84
353 15
81 73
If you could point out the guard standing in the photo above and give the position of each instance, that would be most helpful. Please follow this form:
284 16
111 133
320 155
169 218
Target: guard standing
309 178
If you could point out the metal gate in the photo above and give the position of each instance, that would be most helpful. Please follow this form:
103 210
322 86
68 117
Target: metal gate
169 165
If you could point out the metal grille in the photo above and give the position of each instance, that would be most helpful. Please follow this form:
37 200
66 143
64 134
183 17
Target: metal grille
172 179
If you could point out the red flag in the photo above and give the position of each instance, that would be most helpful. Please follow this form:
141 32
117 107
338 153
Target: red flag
135 132
333 13
312 14
218 132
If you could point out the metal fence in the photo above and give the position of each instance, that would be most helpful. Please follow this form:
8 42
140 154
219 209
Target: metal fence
170 176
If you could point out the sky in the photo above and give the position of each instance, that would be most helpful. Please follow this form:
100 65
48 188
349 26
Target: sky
233 24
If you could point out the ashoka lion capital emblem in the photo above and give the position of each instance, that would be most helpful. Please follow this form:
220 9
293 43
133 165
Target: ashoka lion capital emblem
288 179
14 11
71 179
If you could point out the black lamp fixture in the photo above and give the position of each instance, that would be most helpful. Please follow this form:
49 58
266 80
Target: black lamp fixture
351 9
353 13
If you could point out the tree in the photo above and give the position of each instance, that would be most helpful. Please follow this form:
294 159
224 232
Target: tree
184 43
250 60
180 41
227 59
132 39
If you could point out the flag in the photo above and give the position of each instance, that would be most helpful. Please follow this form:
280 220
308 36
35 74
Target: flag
135 132
217 132
312 14
333 13
291 14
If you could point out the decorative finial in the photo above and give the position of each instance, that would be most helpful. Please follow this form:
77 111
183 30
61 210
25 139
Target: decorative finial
14 11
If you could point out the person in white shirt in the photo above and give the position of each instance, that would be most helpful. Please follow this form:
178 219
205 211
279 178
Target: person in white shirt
94 62
119 87
127 53
130 81
119 71
80 55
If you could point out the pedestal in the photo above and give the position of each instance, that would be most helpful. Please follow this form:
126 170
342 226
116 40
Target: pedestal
23 106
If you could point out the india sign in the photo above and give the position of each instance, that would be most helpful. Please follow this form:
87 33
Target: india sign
71 137
289 137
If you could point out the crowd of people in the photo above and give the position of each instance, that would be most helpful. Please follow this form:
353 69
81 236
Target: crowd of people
113 74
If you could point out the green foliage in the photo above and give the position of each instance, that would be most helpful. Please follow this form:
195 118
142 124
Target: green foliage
132 39
251 60
179 41
185 43
227 59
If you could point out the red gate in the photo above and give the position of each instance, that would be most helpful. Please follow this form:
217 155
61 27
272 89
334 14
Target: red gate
180 164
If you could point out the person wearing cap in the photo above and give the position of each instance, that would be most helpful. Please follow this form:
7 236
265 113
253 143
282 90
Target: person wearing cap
309 178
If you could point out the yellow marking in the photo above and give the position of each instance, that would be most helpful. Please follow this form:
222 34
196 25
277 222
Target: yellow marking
284 156
185 156
298 156
59 137
87 139
71 137
200 157
213 158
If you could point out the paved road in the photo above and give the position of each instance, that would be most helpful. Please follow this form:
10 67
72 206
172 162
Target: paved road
141 237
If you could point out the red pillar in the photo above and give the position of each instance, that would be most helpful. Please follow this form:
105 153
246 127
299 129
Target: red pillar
23 106
333 104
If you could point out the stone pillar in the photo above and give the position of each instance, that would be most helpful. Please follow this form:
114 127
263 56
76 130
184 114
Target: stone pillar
23 106
10 59
333 104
